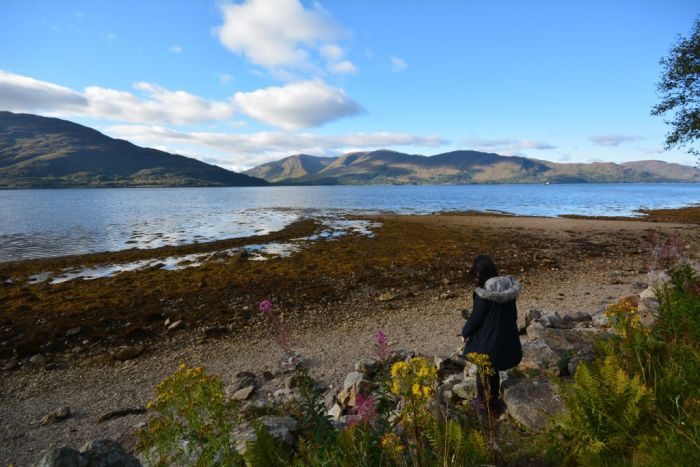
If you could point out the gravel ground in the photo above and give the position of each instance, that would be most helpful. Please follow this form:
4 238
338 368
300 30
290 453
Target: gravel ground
424 320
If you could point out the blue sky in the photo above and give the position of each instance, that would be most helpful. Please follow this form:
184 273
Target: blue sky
246 82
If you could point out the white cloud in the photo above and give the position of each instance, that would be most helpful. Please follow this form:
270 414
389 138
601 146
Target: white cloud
176 49
25 94
397 64
334 60
507 146
332 52
342 67
276 33
243 151
154 104
297 105
224 78
613 139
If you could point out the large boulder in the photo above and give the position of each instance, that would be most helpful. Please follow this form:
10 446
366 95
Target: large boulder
552 348
532 402
98 453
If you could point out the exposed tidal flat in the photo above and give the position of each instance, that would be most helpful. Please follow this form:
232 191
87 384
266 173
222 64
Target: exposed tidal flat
404 273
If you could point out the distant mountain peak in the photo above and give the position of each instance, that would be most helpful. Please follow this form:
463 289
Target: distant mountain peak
40 151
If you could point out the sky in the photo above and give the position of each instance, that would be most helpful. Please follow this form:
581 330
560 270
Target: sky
241 83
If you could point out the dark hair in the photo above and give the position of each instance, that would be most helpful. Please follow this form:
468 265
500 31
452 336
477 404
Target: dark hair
482 270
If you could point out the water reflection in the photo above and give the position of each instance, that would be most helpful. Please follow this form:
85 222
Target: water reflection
332 228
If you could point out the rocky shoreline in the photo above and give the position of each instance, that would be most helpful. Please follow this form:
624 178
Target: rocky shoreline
570 269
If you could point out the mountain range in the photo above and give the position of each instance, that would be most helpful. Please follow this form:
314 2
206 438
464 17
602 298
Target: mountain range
43 152
460 167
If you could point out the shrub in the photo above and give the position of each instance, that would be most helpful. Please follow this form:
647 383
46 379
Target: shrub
193 422
607 411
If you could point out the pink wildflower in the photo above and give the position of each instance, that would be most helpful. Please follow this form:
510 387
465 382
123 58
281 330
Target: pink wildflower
265 306
365 407
381 345
280 331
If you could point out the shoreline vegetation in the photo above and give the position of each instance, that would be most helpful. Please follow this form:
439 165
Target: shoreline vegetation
60 343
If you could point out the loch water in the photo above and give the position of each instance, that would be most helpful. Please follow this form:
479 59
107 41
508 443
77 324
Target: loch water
46 223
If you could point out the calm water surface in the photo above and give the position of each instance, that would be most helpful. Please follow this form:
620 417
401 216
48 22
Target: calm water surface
41 223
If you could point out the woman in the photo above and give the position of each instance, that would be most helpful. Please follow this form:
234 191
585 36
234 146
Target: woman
492 327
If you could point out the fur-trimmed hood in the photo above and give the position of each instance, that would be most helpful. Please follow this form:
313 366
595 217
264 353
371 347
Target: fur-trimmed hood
500 289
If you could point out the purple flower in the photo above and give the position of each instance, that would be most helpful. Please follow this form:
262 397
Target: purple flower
279 330
265 306
365 410
381 345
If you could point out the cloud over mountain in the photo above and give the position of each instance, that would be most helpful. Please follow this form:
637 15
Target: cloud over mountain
152 103
613 139
297 105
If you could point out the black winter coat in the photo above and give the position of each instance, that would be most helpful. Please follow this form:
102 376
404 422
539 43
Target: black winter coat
492 328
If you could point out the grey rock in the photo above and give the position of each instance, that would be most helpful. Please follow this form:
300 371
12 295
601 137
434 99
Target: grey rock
243 394
446 396
62 457
73 331
335 412
532 402
38 360
243 379
466 389
387 297
287 395
353 380
648 307
600 320
553 348
400 355
553 319
366 365
281 428
107 453
449 366
127 352
656 278
56 416
454 379
99 453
